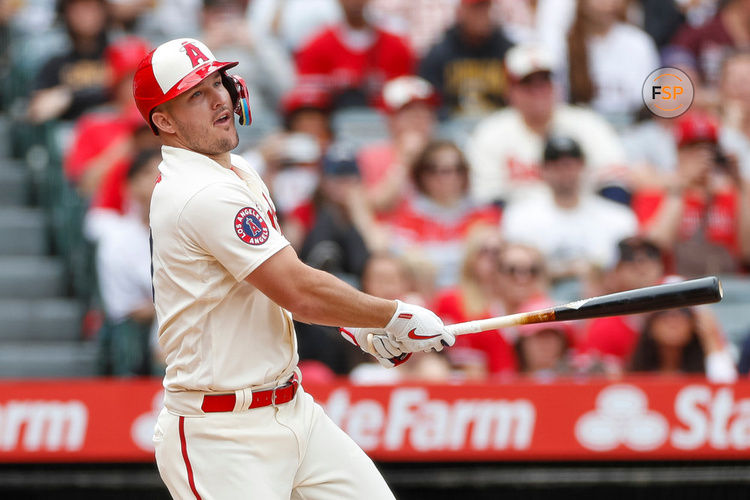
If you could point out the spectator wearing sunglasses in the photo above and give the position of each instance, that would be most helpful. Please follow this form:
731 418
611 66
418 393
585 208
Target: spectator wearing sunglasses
441 214
576 230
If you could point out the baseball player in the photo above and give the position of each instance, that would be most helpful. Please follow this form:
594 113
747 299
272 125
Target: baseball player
237 423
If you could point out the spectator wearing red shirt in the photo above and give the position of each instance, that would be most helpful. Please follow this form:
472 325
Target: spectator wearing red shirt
410 103
355 57
477 296
440 215
703 220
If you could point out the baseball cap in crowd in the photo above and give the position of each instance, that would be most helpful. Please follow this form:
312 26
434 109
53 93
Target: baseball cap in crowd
524 60
340 160
123 57
404 90
306 95
560 146
629 248
695 128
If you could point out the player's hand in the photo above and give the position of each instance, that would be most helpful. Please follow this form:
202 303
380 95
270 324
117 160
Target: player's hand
415 328
384 349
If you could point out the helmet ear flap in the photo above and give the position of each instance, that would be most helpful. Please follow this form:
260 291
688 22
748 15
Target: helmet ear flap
237 89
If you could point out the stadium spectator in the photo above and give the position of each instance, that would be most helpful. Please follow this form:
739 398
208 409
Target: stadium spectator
342 231
734 136
75 81
576 230
699 50
306 109
661 19
477 296
292 22
651 150
639 264
410 103
355 57
103 139
123 260
268 69
675 341
701 220
523 277
505 150
441 213
608 60
421 21
465 66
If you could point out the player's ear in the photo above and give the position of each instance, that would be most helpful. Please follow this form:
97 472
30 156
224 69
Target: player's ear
163 120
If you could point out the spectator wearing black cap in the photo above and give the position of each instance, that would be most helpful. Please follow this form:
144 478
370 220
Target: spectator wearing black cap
702 219
576 230
342 231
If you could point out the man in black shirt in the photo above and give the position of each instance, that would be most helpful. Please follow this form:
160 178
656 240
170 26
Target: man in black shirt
466 66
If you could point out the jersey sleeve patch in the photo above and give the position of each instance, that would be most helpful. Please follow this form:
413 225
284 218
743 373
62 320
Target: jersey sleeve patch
250 226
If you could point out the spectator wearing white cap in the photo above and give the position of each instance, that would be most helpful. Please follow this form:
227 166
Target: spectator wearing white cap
577 231
410 103
465 66
505 149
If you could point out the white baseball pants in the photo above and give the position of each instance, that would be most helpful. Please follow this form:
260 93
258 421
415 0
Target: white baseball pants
292 451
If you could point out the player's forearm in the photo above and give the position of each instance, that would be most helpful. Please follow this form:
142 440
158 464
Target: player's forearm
326 300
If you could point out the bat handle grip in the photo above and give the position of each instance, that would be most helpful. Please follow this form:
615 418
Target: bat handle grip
464 328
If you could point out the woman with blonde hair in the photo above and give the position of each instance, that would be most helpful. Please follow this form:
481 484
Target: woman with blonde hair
477 296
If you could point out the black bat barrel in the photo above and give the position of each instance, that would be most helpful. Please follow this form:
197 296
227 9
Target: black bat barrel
653 298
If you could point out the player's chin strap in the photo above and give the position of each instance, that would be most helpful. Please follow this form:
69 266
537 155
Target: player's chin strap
239 94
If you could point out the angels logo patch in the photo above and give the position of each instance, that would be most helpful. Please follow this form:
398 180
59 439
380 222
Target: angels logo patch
250 227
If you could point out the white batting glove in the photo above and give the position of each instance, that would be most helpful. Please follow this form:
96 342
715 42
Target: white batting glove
386 352
415 328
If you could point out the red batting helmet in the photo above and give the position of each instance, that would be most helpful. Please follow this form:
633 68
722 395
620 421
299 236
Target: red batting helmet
177 66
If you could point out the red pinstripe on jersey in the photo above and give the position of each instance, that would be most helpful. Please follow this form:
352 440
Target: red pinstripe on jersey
183 445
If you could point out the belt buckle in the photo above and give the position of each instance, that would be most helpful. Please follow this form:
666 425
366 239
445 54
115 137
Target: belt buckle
273 396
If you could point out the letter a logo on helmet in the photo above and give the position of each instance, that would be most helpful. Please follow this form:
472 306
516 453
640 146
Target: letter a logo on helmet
194 53
175 67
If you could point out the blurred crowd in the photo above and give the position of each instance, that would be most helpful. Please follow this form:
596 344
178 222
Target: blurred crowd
479 157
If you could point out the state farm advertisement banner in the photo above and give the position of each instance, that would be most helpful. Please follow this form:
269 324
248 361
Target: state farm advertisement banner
634 418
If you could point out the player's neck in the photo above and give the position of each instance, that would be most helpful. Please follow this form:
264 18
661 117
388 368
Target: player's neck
223 159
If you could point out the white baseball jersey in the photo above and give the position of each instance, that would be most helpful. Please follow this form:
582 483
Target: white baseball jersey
210 230
505 153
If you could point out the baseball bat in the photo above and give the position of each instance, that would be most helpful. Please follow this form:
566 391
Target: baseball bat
640 300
